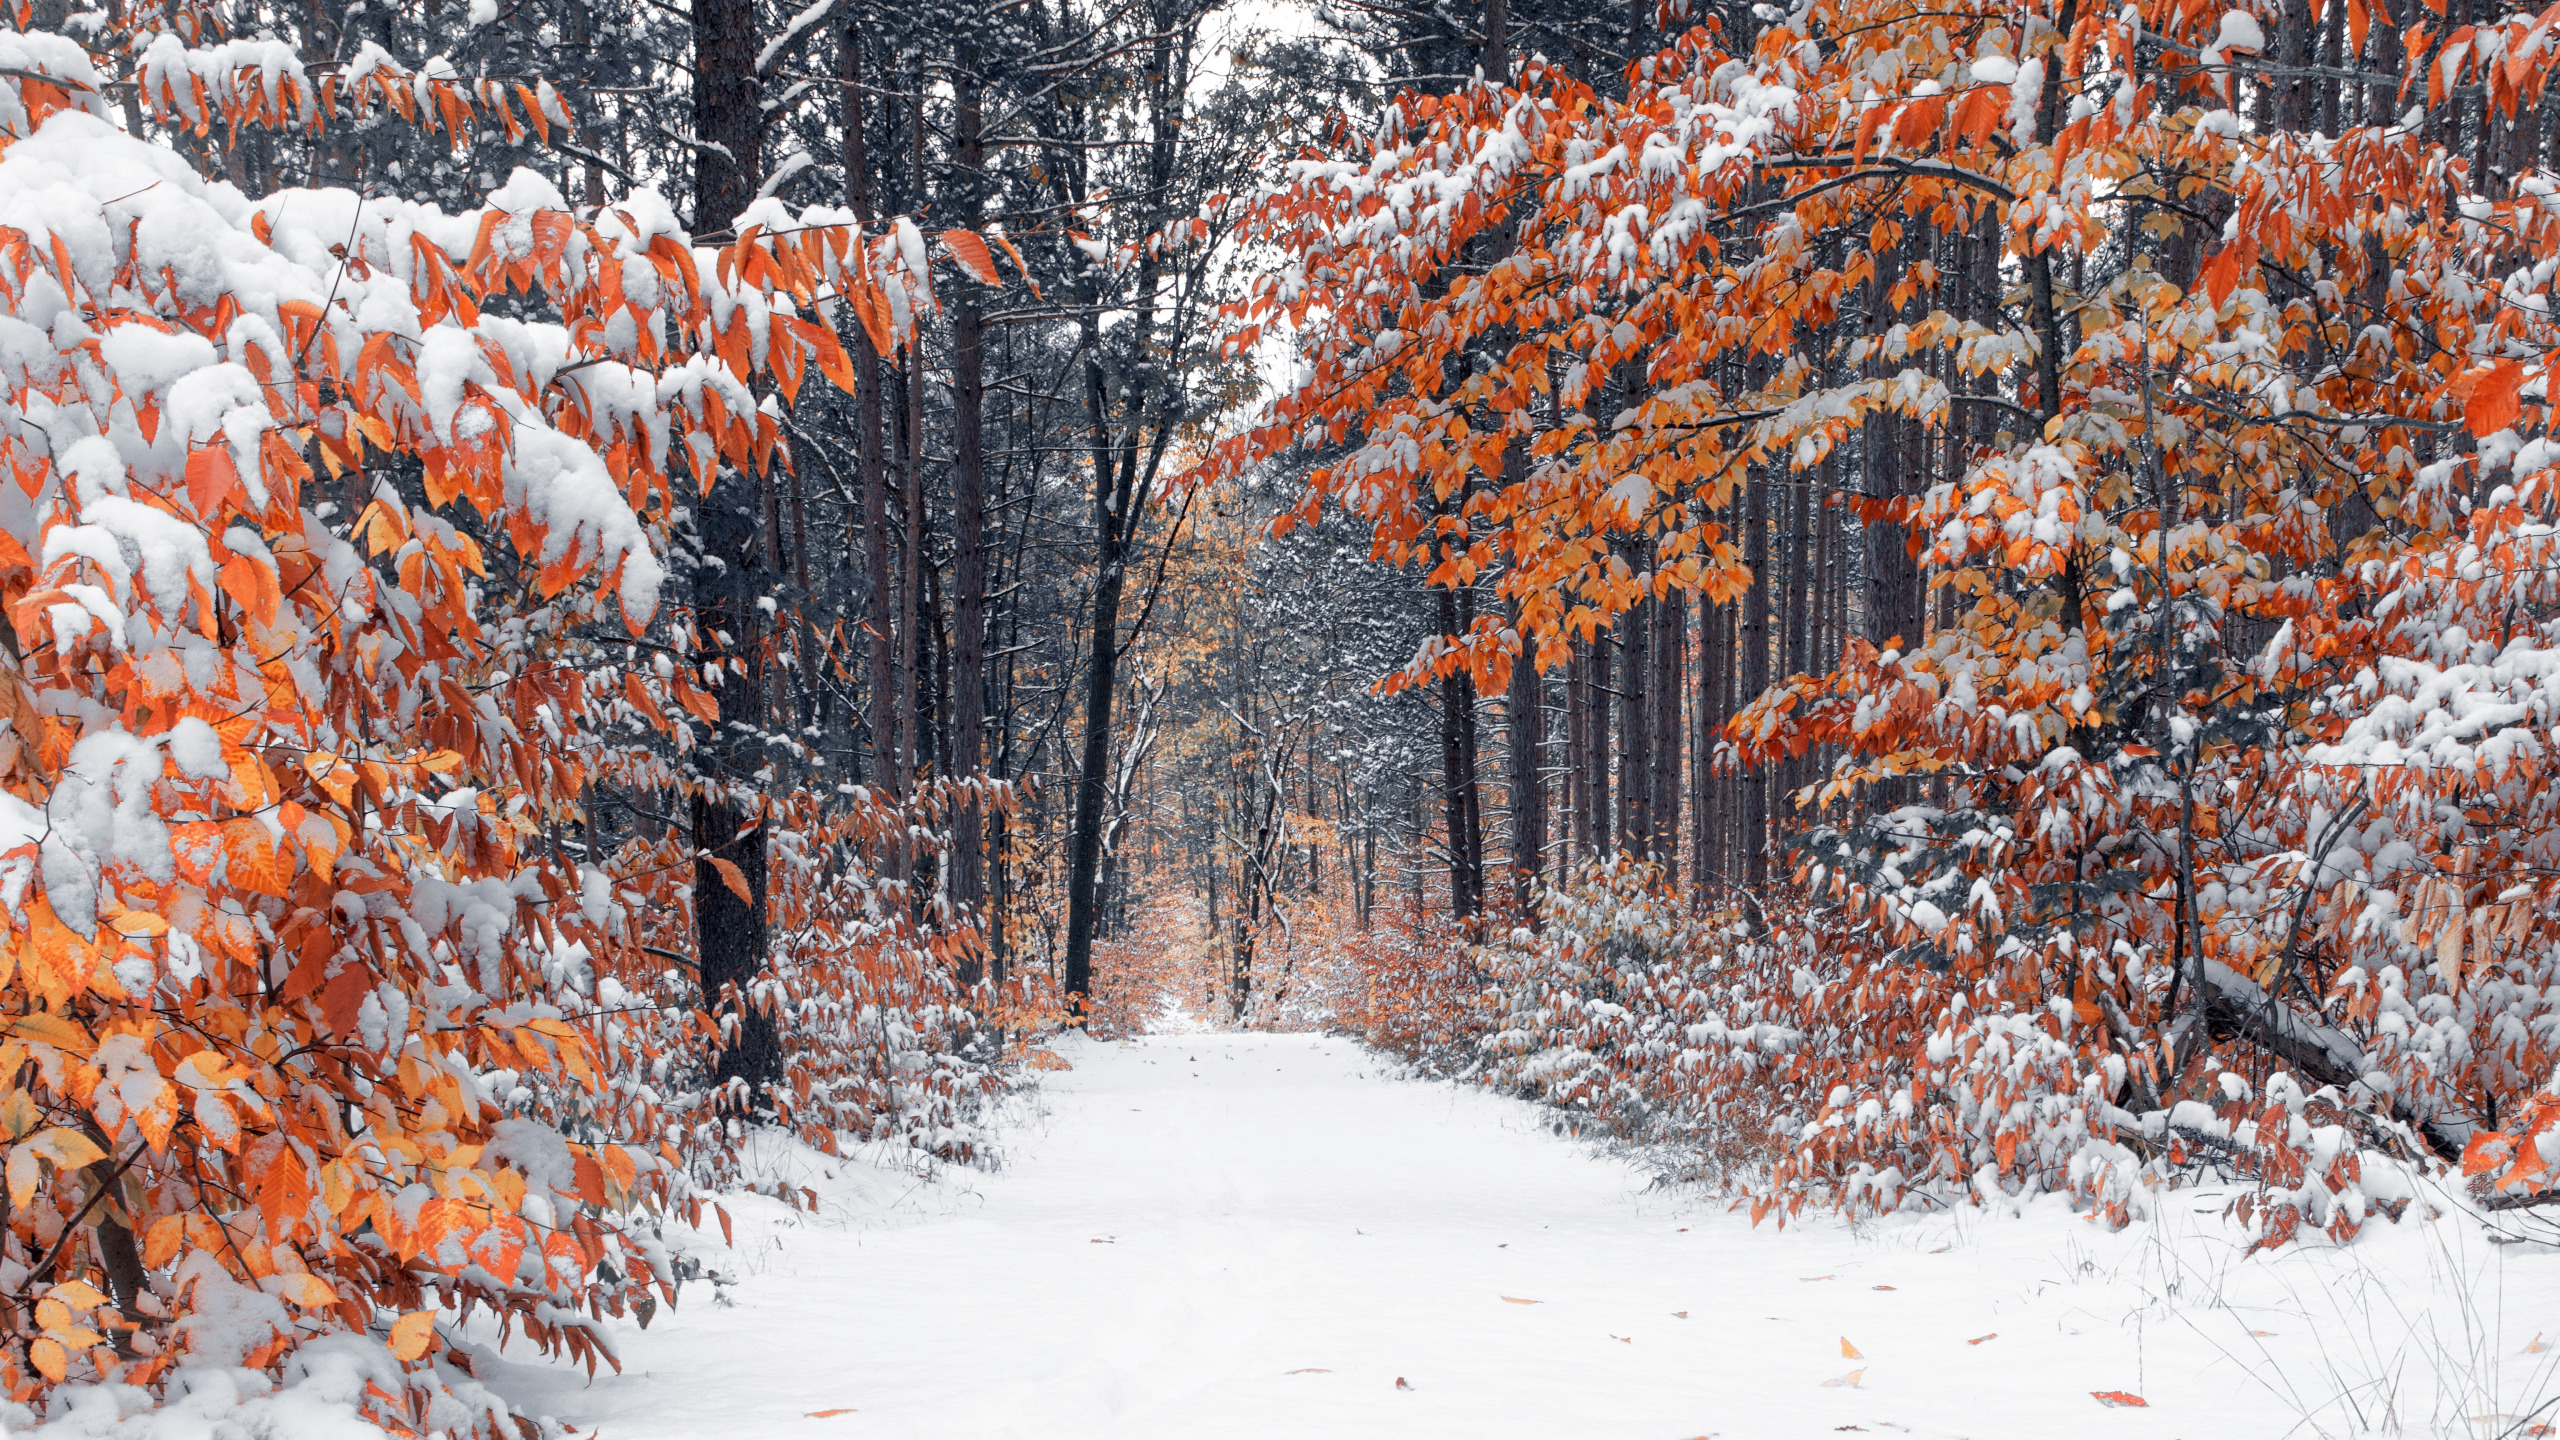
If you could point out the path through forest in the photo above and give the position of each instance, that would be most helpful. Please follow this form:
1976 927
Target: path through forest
1244 1235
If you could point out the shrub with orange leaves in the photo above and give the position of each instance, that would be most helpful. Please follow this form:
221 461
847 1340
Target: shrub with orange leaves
308 1021
2200 817
1605 1008
1407 984
1162 960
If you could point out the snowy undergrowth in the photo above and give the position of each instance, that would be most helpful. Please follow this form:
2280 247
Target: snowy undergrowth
1259 1235
2433 1326
2439 1326
874 1186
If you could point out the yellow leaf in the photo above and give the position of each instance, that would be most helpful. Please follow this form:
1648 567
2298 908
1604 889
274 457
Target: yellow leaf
440 761
1848 1381
332 773
54 1030
18 1115
79 1294
160 1242
409 1336
67 1148
50 1358
307 1290
139 922
1849 1351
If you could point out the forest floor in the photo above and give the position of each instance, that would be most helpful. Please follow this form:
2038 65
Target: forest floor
1248 1235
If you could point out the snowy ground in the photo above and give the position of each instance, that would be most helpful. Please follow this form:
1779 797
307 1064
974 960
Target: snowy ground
1220 1235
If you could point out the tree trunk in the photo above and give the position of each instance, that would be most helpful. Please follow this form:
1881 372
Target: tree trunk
883 624
1635 727
1527 723
1670 646
1752 639
1704 850
1577 769
911 495
969 505
1595 754
1457 773
729 926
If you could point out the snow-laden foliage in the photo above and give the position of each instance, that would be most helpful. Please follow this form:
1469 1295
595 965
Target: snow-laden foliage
321 516
2184 801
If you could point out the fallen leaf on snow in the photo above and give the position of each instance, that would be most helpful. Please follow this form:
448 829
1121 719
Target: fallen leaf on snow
1680 1314
1849 1351
1809 1279
1978 1339
1849 1381
2119 1398
1516 1300
1401 1385
1312 1370
2537 1347
823 1414
1105 1240
1622 1339
1884 1287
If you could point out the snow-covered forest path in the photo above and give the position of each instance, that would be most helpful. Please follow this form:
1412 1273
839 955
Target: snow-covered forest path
1240 1235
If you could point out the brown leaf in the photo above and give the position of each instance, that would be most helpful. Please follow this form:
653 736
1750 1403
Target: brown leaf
731 876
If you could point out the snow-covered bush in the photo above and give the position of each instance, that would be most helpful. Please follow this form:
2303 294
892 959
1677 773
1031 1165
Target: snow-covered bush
314 1026
1607 1006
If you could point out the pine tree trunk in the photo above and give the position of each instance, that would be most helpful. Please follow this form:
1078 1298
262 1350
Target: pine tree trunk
1670 649
1526 720
729 926
1635 728
911 491
1751 638
1457 774
1084 840
1595 740
872 459
969 505
1577 710
1702 823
